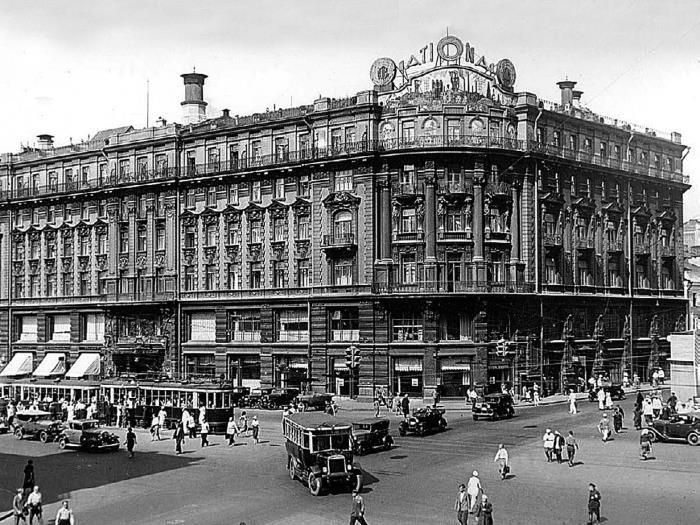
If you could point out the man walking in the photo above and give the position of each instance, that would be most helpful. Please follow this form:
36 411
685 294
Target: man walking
255 425
405 407
593 505
572 402
558 446
536 394
604 428
162 415
179 437
29 482
645 440
502 460
462 505
357 514
205 433
18 507
548 441
130 442
231 431
34 503
571 447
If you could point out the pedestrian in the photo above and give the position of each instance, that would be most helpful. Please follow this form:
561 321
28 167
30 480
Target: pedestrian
475 510
536 394
655 378
486 517
191 426
162 416
396 407
608 400
472 397
155 428
645 440
656 405
34 505
462 505
18 507
593 505
29 480
231 431
617 419
572 402
255 425
376 407
558 446
502 460
474 489
179 437
671 403
130 442
604 428
64 516
571 447
601 399
661 376
357 514
405 406
204 432
648 410
243 423
548 441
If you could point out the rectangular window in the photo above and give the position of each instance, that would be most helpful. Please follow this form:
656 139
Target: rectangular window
213 159
160 237
345 324
34 248
255 228
279 230
211 196
279 274
53 181
408 220
84 282
233 157
234 276
407 327
19 286
407 179
454 128
343 180
551 272
210 234
256 191
50 214
92 327
67 284
303 227
33 286
202 326
190 199
124 169
210 277
27 328
233 235
200 366
102 174
342 273
19 250
51 285
256 151
141 238
233 194
68 245
190 236
336 140
304 187
142 168
408 131
84 244
58 327
409 269
292 325
68 178
256 275
278 188
244 325
190 278
161 164
303 273
191 163
124 240
454 220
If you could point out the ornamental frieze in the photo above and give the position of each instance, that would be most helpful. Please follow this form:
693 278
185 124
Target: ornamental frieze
189 220
341 199
188 257
278 251
84 263
33 266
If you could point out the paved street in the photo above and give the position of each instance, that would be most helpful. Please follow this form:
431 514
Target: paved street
414 483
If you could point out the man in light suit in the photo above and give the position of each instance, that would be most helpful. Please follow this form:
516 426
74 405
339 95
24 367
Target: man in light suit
462 505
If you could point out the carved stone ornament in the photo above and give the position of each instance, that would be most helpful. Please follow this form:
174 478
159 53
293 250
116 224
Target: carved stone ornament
101 262
210 218
189 220
254 251
67 264
84 263
278 212
232 253
210 253
441 206
303 249
123 262
50 266
141 262
254 215
278 251
188 258
341 198
35 236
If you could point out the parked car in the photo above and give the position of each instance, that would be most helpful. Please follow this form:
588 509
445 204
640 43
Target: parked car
494 406
617 393
87 434
4 423
37 424
679 427
254 397
278 398
314 401
319 452
370 434
239 395
424 420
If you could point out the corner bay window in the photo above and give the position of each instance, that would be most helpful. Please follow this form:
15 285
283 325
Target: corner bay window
407 326
201 326
345 324
244 325
292 325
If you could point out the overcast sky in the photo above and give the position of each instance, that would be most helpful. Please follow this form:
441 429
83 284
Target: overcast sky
71 68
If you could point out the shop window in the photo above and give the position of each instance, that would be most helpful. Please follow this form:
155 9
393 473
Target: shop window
292 325
244 325
201 326
26 328
202 365
345 324
407 327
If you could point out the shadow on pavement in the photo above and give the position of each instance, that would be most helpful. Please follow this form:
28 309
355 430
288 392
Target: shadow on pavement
60 474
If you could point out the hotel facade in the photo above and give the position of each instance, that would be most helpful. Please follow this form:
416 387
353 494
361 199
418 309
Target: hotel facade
451 229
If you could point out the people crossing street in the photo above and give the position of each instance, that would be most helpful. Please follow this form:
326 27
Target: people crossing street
605 429
357 513
486 511
558 446
18 507
461 505
255 426
548 441
231 431
571 447
645 440
35 506
572 402
130 442
179 437
502 460
204 433
474 490
593 505
64 515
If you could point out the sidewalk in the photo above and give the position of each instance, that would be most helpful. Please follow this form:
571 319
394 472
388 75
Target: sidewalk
457 404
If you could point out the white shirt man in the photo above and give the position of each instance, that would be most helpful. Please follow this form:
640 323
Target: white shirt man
548 441
161 417
572 402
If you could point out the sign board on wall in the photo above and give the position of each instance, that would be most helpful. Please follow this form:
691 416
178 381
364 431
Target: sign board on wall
414 381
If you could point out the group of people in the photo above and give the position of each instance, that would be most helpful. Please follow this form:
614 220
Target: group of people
555 444
472 505
650 407
27 503
242 428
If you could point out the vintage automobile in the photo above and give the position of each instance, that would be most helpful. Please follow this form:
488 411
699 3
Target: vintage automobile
494 406
314 401
239 395
36 424
679 427
319 452
86 434
370 434
617 393
4 419
278 398
424 420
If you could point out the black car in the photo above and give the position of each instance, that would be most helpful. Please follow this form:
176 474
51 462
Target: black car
36 424
278 398
617 393
494 406
424 420
239 394
370 434
678 427
315 401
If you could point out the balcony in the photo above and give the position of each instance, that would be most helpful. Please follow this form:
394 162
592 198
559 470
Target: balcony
552 240
457 188
140 296
68 299
642 248
454 236
408 236
585 243
614 246
499 189
432 287
341 243
667 251
271 293
406 189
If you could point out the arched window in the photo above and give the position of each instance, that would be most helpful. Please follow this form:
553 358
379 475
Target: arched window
342 225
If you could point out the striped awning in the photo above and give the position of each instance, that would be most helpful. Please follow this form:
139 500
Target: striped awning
53 364
87 364
408 364
21 364
456 367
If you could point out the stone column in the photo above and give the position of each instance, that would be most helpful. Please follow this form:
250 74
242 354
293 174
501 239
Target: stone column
515 253
429 226
385 221
478 222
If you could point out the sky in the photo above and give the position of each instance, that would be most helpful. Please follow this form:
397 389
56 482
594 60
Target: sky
71 68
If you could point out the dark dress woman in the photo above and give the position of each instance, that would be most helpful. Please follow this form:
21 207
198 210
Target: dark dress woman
486 516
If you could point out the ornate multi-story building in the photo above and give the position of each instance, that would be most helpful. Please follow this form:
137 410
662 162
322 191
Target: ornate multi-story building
451 229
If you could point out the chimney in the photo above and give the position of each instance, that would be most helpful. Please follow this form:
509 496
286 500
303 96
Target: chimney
194 109
226 113
45 141
576 95
567 94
